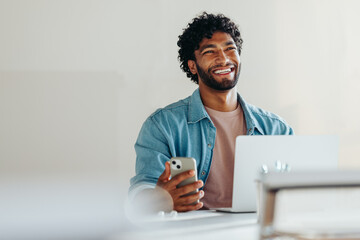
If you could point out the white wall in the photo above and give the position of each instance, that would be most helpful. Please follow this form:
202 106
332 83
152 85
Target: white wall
116 61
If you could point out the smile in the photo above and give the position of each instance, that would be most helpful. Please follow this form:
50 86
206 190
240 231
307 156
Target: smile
224 71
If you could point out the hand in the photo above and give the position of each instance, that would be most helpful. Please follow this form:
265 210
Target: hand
181 203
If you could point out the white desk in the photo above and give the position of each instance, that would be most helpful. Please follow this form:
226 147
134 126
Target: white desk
195 225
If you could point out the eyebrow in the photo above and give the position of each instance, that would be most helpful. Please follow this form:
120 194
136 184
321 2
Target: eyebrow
213 45
230 43
207 46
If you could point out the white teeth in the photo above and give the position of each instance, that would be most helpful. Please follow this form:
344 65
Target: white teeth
222 71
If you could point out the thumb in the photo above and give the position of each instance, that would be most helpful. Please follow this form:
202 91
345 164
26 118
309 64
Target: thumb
165 176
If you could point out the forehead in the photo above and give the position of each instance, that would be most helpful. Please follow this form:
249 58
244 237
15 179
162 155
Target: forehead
218 38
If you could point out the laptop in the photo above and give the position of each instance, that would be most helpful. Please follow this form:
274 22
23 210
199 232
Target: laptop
256 155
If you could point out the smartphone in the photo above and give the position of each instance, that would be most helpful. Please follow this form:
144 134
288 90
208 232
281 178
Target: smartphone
182 164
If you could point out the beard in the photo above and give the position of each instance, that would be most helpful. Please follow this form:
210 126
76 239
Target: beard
224 84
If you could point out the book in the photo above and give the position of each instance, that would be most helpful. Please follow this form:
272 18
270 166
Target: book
311 205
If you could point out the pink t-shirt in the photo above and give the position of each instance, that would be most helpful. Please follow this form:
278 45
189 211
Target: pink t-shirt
218 187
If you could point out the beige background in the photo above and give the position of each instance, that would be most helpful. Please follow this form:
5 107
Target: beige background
78 78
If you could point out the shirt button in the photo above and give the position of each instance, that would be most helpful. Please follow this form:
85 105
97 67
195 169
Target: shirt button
209 145
203 173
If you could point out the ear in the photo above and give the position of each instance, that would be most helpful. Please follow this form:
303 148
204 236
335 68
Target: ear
192 66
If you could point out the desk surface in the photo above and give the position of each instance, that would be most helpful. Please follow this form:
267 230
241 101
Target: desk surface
208 224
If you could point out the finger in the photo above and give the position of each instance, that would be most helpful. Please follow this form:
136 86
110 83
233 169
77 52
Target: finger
186 208
165 176
186 200
188 188
181 177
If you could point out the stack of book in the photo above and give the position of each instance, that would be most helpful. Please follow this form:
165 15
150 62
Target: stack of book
310 205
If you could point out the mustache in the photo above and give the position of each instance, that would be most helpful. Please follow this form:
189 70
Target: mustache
230 64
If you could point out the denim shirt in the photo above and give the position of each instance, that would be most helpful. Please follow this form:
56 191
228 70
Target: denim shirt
184 129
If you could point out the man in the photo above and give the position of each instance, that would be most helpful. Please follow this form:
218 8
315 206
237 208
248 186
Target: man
203 126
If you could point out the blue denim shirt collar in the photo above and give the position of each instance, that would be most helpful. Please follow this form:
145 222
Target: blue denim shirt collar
197 112
251 123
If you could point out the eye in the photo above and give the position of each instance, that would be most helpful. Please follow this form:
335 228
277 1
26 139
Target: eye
231 48
208 52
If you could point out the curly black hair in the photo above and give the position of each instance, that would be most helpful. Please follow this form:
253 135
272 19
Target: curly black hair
205 25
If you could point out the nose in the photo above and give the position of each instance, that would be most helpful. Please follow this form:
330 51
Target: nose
221 58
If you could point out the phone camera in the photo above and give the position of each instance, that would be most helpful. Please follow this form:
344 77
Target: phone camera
176 164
